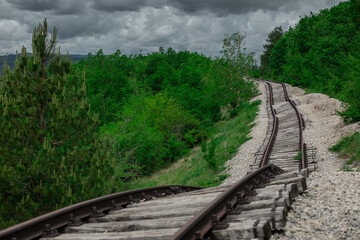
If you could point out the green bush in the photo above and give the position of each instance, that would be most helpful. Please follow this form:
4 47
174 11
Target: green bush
153 131
159 106
348 148
208 150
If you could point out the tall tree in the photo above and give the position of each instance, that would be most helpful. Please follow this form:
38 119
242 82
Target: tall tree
234 50
49 156
271 40
239 62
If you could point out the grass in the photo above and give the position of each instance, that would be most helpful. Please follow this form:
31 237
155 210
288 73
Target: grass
298 156
204 165
349 149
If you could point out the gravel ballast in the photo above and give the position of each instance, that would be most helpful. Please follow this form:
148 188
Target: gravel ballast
323 126
330 208
238 166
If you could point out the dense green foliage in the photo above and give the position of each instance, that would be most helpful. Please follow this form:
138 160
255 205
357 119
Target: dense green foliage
49 154
146 112
271 40
204 165
322 53
348 148
159 106
153 130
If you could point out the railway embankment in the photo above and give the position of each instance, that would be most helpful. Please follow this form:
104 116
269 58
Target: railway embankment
330 208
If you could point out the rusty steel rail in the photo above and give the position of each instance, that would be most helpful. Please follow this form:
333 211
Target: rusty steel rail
210 217
264 159
302 145
47 224
197 228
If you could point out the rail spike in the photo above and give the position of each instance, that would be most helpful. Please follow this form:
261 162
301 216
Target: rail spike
116 206
50 233
242 198
97 213
216 224
231 210
74 221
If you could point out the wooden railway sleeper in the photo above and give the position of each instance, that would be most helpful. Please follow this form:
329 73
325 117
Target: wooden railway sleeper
255 228
273 209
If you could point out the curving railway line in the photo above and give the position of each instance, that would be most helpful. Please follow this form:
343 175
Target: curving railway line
284 142
250 209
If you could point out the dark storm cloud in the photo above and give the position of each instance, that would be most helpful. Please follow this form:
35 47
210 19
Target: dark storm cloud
37 5
58 7
227 6
125 5
191 6
81 25
130 25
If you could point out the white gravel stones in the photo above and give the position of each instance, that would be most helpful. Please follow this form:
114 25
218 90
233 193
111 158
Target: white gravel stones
324 127
329 209
238 166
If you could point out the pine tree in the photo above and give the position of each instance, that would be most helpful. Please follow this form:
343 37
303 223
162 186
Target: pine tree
272 39
49 154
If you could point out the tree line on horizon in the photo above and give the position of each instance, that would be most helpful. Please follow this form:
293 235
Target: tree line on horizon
10 59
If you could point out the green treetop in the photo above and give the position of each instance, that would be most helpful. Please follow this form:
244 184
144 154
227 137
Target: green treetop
239 62
272 39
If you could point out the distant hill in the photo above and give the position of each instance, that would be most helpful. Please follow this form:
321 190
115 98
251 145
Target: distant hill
10 60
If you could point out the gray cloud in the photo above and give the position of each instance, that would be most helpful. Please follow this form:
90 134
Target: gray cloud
82 25
125 5
36 5
57 7
222 7
130 25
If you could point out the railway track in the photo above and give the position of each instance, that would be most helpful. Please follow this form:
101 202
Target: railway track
287 148
249 209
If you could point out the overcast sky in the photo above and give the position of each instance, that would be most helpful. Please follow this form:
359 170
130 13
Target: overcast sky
130 25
